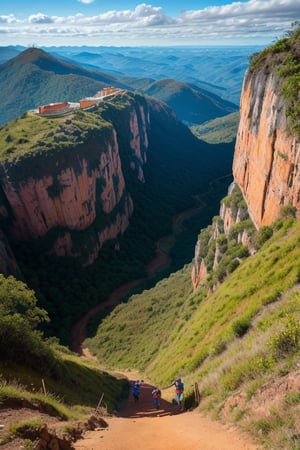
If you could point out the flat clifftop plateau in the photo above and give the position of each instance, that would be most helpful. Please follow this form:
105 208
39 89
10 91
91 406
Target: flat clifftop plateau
66 176
266 158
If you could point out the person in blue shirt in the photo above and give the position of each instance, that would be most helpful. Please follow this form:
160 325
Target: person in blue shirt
136 391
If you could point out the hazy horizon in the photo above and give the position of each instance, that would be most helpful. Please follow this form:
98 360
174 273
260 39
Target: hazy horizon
165 23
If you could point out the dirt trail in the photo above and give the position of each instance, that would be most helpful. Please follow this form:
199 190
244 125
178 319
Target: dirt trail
141 426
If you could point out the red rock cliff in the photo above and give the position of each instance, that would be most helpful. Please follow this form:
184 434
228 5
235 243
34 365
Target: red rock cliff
69 191
266 159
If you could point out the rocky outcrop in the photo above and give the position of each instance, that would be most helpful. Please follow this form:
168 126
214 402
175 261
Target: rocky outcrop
199 269
231 224
266 158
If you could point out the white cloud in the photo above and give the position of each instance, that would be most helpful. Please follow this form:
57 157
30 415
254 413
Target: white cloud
87 2
236 22
40 19
8 19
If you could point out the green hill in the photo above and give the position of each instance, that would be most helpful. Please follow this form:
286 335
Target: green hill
34 78
191 104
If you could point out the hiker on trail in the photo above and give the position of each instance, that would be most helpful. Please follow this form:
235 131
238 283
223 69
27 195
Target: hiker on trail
136 391
156 397
179 389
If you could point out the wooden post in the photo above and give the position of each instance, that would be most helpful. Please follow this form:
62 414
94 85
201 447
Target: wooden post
197 394
99 403
44 387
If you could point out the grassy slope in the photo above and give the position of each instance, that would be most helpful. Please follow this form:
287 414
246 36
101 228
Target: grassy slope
73 388
222 129
169 330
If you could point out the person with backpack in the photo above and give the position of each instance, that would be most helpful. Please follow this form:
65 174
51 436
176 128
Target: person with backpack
156 397
179 390
136 391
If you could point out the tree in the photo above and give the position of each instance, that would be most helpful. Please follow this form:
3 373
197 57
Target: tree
16 299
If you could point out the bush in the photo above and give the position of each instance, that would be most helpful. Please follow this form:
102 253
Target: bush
264 234
218 347
240 326
288 211
287 341
264 426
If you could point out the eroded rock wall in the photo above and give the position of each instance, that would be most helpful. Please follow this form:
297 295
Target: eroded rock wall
266 158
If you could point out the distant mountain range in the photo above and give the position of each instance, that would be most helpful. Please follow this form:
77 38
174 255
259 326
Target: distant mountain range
219 70
34 77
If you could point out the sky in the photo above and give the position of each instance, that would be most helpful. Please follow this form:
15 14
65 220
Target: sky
45 23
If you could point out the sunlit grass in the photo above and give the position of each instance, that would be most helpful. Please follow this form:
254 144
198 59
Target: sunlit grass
225 340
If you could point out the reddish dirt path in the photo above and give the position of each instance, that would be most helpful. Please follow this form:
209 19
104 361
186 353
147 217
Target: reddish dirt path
141 426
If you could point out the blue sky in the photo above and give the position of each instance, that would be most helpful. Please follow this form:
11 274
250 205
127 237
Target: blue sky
134 23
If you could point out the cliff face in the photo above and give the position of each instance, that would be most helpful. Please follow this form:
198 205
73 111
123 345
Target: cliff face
36 211
266 158
75 190
265 167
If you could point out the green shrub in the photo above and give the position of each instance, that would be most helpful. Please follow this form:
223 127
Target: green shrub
288 211
263 364
292 398
233 379
241 326
218 347
233 265
264 426
287 341
239 227
265 233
